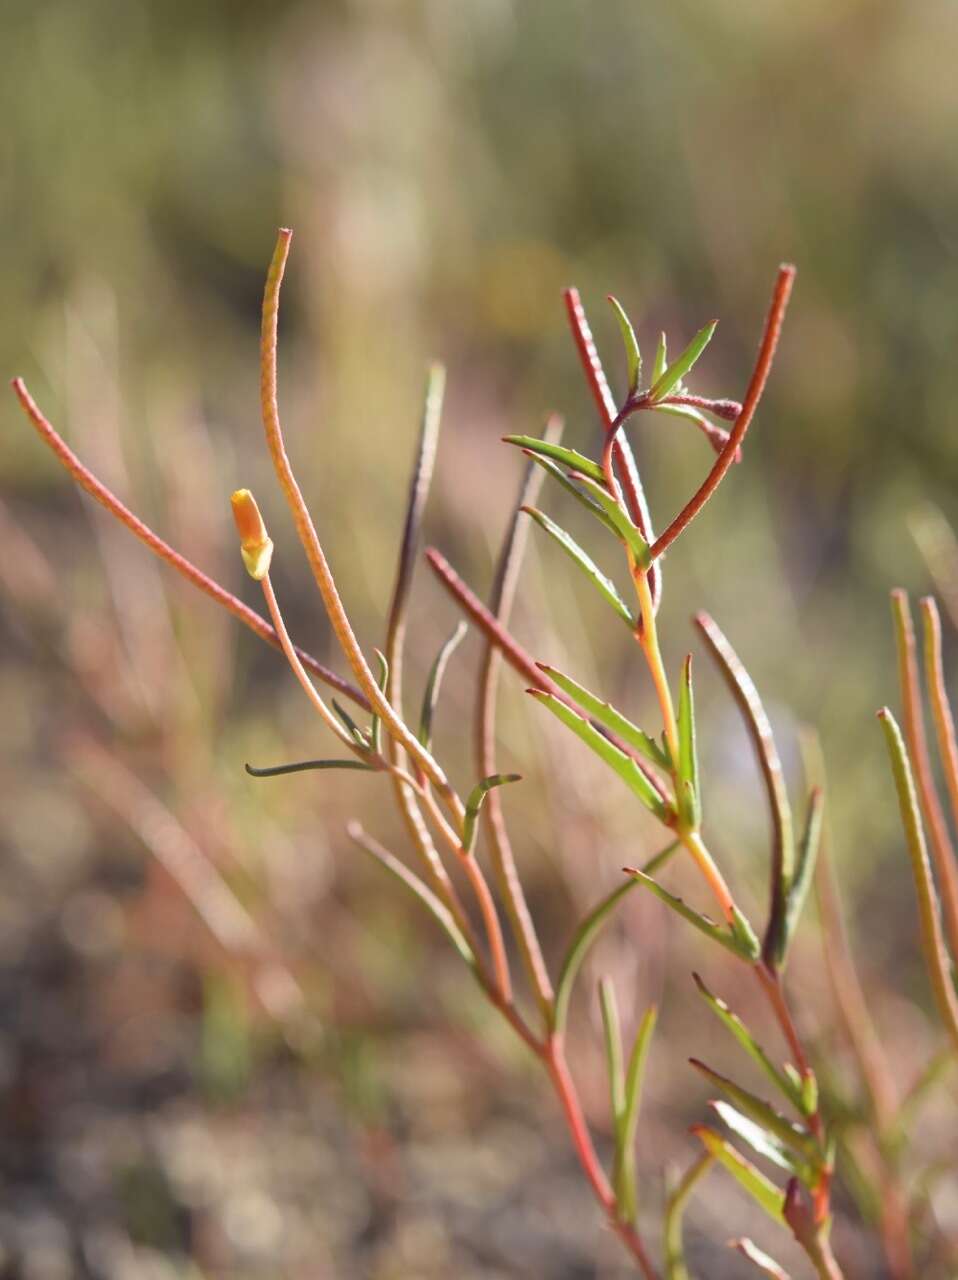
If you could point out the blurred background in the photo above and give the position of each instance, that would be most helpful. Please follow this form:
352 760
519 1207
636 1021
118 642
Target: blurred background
230 1046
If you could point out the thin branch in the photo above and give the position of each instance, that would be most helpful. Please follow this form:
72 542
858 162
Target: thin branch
763 365
503 860
942 849
101 494
517 657
622 456
310 539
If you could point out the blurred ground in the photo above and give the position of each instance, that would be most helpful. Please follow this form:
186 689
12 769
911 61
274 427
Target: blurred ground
447 168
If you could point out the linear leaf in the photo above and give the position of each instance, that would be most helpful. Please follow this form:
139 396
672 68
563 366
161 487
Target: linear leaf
763 1192
616 516
612 1035
582 940
556 472
751 1046
607 715
301 766
661 359
762 1142
678 1198
678 369
585 562
352 728
807 856
474 804
375 725
430 697
929 913
798 1140
623 765
760 731
688 759
716 436
570 458
718 933
412 882
750 1250
625 1181
632 354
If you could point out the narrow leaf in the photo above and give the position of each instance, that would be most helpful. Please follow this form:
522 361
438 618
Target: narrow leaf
718 933
474 804
799 1141
763 1192
412 882
675 1205
679 368
625 1181
750 1250
716 436
556 472
688 758
352 728
761 1142
605 714
434 683
582 940
569 458
751 1046
375 724
661 359
588 566
632 353
623 765
763 742
301 766
804 871
616 516
936 956
612 1035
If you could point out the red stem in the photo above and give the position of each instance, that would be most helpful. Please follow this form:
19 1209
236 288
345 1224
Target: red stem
763 365
98 491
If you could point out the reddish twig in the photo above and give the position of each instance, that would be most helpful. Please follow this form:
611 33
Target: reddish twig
763 365
106 498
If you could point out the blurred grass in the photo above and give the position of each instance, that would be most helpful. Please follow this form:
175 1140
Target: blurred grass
447 169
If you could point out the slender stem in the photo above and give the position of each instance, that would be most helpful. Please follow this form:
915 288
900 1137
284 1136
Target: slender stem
106 498
582 1141
763 365
647 636
948 751
310 539
484 898
693 841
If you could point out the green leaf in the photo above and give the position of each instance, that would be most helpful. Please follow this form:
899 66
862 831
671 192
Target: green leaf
625 1180
627 769
352 728
617 517
678 369
556 472
605 714
688 770
474 804
785 1085
301 766
661 359
569 458
375 728
715 435
582 940
799 1150
585 563
937 960
711 930
678 1197
806 858
412 882
750 1250
612 1036
763 1192
632 353
743 932
430 697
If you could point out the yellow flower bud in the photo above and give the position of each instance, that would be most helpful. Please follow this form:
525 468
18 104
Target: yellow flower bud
256 546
